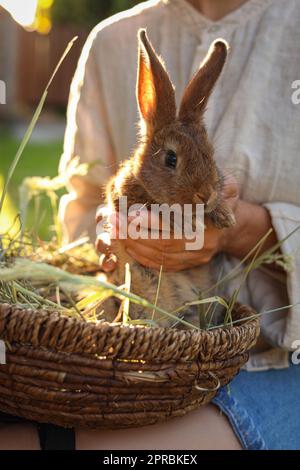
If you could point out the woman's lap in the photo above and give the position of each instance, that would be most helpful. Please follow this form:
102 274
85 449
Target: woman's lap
18 437
263 408
205 428
202 429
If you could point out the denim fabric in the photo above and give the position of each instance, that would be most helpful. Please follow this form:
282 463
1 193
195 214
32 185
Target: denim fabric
264 408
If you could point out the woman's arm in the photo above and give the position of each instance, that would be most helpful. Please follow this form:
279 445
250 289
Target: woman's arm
88 139
253 222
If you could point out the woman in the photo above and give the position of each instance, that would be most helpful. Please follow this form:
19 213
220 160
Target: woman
254 125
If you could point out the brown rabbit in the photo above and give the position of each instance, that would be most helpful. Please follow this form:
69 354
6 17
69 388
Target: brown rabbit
172 164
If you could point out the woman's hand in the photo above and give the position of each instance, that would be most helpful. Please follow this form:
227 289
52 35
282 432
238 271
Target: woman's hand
170 253
252 223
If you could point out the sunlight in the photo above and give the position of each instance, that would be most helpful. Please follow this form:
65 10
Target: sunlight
22 11
8 213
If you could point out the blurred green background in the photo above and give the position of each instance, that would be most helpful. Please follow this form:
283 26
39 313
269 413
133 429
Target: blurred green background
87 12
38 159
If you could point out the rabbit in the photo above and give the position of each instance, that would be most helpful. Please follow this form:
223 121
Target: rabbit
172 164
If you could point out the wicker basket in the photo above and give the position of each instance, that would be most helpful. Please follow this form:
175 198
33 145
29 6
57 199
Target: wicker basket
67 372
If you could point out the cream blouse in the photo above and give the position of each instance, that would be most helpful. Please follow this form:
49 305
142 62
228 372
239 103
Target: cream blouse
251 118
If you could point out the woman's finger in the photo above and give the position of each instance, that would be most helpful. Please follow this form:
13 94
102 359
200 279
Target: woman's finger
103 242
149 257
153 264
140 258
231 187
149 252
107 260
152 253
108 263
102 212
101 247
145 218
164 246
132 229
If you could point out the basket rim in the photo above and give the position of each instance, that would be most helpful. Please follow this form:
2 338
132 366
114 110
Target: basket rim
53 330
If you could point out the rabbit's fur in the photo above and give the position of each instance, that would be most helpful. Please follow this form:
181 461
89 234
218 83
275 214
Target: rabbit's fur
146 179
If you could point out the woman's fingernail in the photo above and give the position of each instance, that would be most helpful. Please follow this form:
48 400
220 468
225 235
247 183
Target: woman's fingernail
108 263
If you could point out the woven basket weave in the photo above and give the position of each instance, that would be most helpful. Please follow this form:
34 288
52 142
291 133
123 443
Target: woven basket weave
73 373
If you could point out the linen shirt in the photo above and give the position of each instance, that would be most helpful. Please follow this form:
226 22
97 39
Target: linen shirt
251 118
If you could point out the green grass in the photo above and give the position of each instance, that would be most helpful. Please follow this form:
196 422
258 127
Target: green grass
38 159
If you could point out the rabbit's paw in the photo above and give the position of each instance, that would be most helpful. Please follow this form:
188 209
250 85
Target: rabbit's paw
223 217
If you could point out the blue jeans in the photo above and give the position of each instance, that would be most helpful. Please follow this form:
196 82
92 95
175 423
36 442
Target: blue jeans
264 408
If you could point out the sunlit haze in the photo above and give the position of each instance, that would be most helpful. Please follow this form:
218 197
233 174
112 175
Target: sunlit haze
23 11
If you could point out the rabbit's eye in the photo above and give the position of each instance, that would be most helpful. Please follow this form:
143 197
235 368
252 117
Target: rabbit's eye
171 159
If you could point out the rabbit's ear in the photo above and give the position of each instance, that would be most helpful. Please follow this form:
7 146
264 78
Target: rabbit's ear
198 91
155 92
